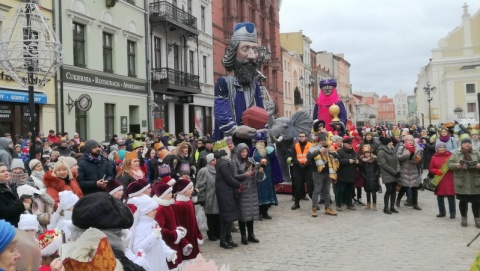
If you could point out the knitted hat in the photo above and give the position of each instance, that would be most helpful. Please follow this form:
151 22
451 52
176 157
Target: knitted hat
28 222
7 233
440 144
168 180
69 160
17 163
474 132
50 242
244 31
164 170
209 158
67 200
121 154
33 163
182 185
113 186
136 188
466 140
102 211
138 136
161 189
335 138
229 140
144 204
209 140
90 144
385 140
347 140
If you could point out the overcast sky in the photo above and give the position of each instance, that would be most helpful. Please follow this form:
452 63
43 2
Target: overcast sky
385 41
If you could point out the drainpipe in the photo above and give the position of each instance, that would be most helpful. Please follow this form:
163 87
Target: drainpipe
147 66
59 117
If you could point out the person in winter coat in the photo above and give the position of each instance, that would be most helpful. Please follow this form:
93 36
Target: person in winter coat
409 156
62 217
368 140
6 147
182 162
445 187
349 161
10 206
61 179
207 197
465 164
450 141
147 235
8 246
390 170
370 171
93 169
428 151
244 172
130 170
227 189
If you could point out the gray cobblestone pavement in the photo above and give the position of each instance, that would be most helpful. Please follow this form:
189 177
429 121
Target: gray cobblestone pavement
354 240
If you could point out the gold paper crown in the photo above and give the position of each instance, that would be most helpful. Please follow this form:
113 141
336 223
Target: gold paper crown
131 155
163 153
103 259
157 145
219 145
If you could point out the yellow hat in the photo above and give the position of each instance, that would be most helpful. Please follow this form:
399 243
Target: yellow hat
219 145
157 146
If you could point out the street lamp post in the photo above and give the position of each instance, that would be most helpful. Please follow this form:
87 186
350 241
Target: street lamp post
429 91
30 54
423 120
458 112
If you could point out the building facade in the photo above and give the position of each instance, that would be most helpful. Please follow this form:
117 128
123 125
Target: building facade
454 72
412 109
265 16
102 85
386 111
181 53
14 110
401 107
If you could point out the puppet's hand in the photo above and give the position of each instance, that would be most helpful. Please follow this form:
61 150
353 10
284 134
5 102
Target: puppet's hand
245 132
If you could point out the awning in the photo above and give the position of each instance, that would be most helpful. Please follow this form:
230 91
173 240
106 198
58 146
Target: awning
21 97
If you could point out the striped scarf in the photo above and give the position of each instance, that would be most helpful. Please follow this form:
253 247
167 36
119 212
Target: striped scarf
332 162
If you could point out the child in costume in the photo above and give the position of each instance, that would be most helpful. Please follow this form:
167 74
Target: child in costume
62 217
172 234
49 242
185 212
147 235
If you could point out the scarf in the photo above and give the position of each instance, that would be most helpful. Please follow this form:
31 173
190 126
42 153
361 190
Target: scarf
94 159
211 169
137 174
368 159
332 162
163 202
445 139
38 174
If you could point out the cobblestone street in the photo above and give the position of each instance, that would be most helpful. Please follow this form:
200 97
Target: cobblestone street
354 240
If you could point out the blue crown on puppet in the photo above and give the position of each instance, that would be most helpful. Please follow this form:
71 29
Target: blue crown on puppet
328 82
244 31
260 136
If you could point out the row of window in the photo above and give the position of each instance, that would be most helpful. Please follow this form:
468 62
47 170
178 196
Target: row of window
107 39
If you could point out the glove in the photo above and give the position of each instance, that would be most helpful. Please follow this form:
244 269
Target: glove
289 160
173 259
269 149
240 189
200 241
245 132
183 231
157 231
398 174
187 250
411 155
439 173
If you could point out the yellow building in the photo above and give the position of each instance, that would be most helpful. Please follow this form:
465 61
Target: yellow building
14 111
453 75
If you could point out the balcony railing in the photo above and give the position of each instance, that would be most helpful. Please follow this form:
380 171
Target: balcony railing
163 8
170 76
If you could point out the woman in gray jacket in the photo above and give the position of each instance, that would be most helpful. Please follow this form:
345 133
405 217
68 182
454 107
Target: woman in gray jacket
409 155
243 171
390 168
207 197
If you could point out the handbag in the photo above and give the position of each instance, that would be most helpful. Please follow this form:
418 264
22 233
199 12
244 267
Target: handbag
427 184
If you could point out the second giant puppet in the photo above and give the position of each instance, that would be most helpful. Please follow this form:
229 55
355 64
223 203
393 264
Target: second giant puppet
235 94
323 107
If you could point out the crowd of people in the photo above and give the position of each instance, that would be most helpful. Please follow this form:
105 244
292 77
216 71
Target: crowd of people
142 195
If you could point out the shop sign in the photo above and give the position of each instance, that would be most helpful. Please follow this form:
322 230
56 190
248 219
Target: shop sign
123 124
95 79
5 112
21 97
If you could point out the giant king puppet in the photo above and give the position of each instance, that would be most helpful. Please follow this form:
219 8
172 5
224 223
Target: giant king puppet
329 108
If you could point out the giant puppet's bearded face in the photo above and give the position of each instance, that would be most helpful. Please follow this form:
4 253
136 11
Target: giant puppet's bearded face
327 90
246 62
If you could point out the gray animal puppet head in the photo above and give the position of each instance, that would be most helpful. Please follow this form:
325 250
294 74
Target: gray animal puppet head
288 128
